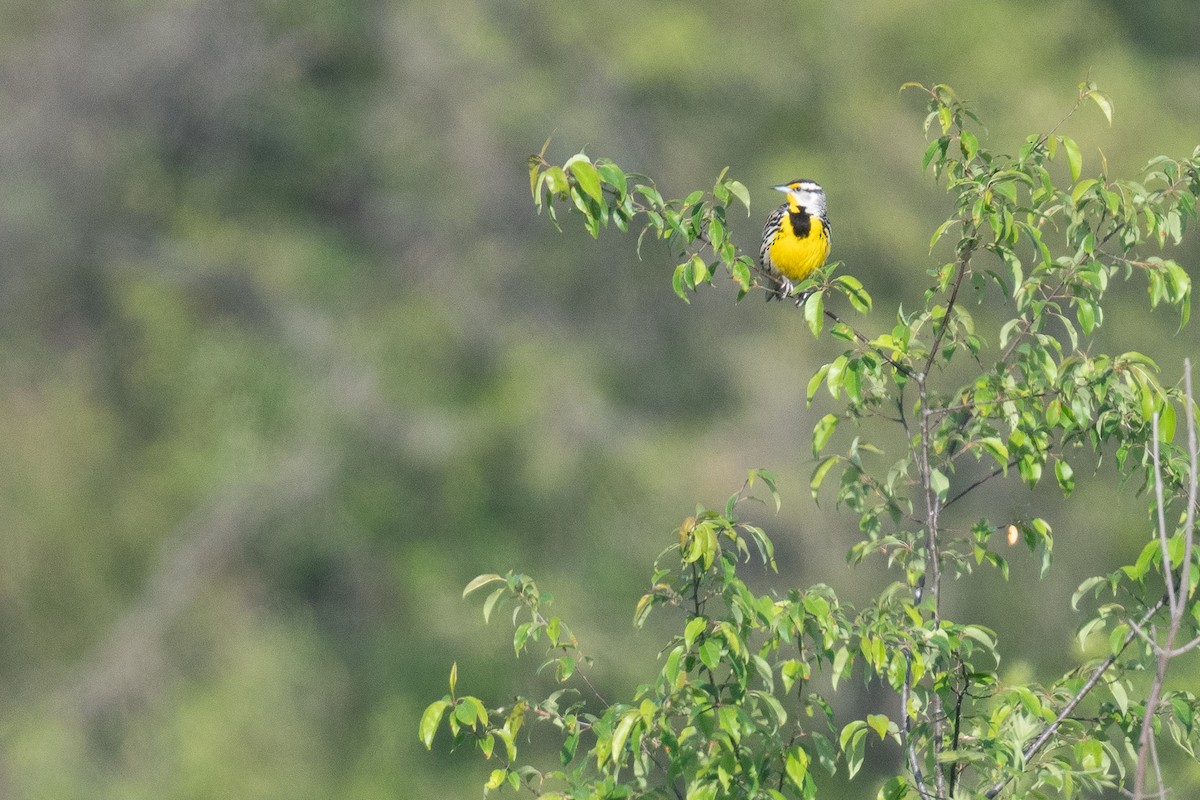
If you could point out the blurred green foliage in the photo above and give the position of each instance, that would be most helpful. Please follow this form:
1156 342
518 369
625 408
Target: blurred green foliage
287 356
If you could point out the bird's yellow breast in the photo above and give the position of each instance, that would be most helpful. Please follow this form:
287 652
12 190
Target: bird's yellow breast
795 257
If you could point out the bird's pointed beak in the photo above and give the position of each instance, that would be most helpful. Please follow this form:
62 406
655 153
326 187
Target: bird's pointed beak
782 188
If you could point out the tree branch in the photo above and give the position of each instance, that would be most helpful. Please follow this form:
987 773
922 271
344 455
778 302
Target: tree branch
1044 737
1177 595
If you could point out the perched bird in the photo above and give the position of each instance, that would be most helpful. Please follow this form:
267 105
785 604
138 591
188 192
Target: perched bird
796 237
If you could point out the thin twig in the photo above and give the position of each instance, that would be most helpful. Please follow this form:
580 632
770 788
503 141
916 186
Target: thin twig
1163 540
997 472
863 340
933 504
958 707
964 259
910 747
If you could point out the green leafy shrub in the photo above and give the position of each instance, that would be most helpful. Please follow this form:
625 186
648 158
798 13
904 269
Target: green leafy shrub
732 711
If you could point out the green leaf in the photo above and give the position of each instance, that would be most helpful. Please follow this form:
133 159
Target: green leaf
778 713
939 483
1087 629
556 180
840 660
740 271
430 721
1151 553
941 229
621 733
796 766
692 630
678 282
969 144
567 752
814 312
1084 588
521 636
671 667
814 383
981 635
1081 189
853 743
1117 689
819 473
895 789
1074 157
587 177
833 376
470 710
793 670
710 653
496 778
996 447
1086 314
853 289
613 176
489 605
740 192
481 580
879 723
1065 476
822 431
1166 422
936 148
1116 639
1102 100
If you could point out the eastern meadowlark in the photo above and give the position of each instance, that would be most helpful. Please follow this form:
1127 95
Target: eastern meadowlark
796 237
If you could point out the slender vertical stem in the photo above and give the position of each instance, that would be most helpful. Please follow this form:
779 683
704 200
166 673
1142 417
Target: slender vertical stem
910 746
933 574
933 503
1178 588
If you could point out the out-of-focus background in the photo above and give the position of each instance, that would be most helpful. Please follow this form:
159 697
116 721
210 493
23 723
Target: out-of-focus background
286 357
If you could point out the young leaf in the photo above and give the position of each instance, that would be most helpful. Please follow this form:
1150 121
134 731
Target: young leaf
796 766
692 630
822 431
1074 157
621 734
497 777
852 742
740 192
818 475
481 580
814 312
430 721
587 177
1102 100
1065 476
880 724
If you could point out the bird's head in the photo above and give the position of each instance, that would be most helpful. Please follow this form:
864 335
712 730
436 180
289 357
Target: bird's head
806 194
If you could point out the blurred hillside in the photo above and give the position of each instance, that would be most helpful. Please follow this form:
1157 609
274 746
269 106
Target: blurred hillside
286 356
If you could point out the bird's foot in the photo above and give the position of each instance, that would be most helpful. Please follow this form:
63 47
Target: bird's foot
781 290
